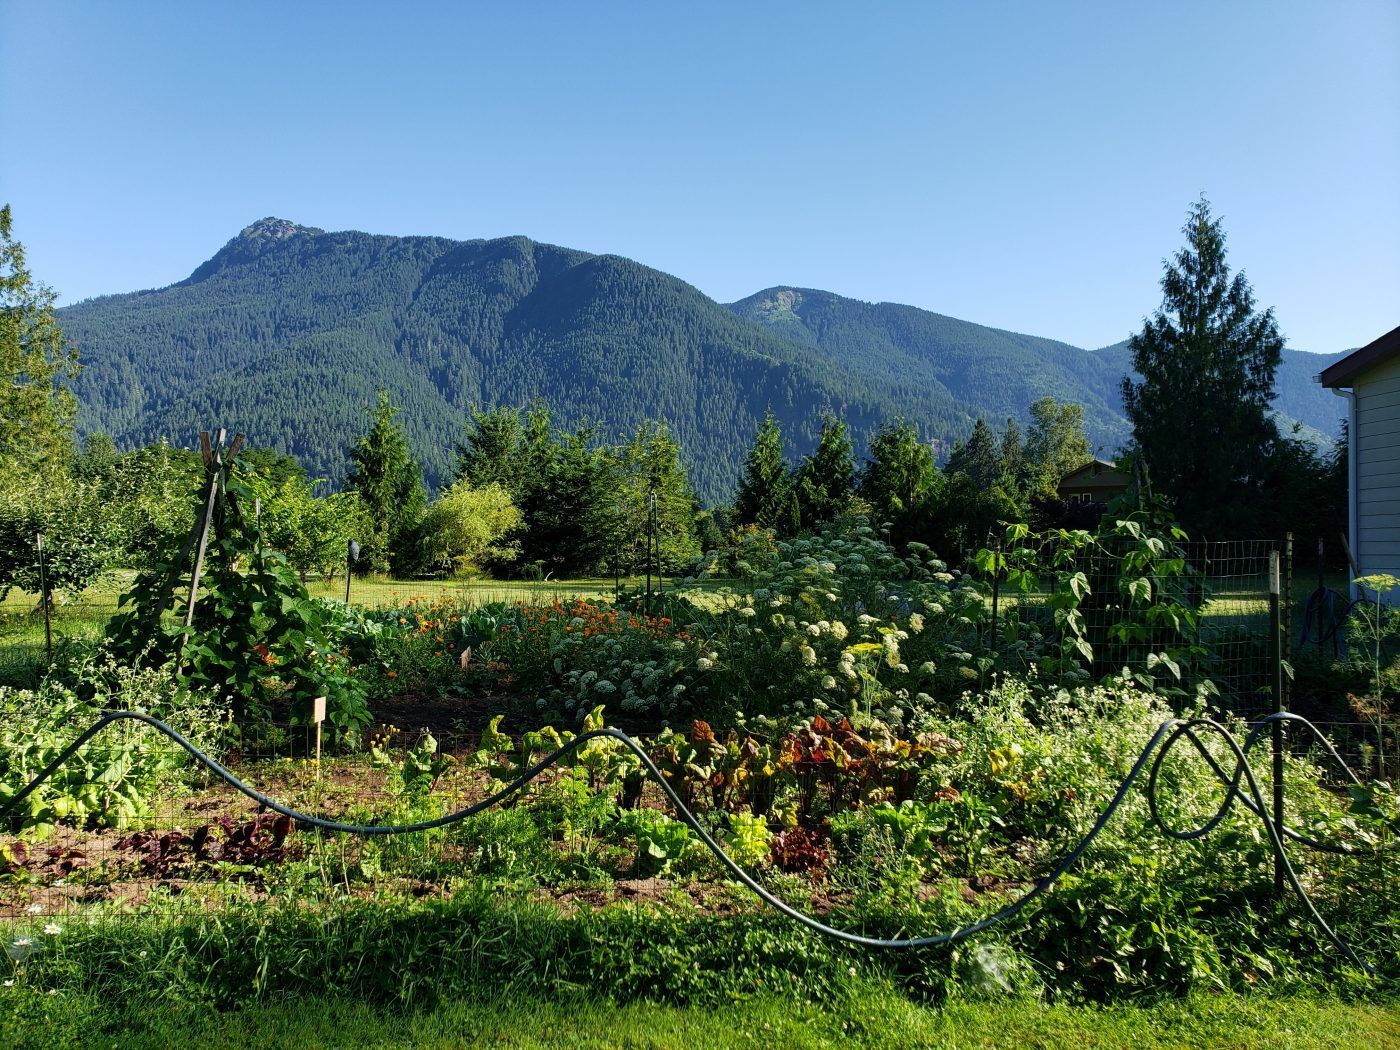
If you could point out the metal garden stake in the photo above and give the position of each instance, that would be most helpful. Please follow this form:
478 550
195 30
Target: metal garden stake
352 555
44 597
1276 651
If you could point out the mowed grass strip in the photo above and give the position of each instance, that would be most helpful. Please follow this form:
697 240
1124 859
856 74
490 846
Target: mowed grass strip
871 1016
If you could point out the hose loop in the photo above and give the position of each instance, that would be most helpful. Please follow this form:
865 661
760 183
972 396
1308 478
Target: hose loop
1153 754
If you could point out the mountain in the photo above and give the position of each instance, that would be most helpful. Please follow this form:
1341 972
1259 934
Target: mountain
288 331
1300 398
995 374
966 369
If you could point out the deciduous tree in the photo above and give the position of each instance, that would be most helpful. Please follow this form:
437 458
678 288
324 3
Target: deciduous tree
1055 445
899 479
36 410
468 530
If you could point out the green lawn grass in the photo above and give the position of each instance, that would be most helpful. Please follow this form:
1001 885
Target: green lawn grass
83 616
873 1017
378 592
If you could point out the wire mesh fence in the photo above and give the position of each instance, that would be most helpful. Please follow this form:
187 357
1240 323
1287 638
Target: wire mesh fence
198 843
1227 585
31 637
378 592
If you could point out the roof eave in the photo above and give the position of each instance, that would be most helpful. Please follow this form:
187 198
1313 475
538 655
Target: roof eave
1344 372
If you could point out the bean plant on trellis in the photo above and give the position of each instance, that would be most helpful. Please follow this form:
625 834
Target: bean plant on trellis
1124 601
254 634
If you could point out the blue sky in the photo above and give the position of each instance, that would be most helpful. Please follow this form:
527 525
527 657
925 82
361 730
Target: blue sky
1023 165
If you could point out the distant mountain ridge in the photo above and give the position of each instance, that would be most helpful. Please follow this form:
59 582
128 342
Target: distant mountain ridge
287 331
1002 372
985 371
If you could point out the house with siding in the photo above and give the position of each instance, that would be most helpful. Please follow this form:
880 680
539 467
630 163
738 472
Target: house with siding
1097 481
1370 381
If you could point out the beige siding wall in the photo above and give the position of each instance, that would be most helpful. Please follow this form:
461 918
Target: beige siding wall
1377 449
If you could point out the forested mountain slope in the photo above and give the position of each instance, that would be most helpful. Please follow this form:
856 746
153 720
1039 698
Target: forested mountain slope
984 371
287 332
995 373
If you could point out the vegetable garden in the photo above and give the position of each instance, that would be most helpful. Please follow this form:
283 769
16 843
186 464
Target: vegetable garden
864 732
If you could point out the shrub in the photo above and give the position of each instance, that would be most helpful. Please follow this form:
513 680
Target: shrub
573 656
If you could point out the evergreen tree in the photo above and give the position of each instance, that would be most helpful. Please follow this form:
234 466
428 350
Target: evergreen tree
765 487
390 486
823 486
1207 360
979 457
488 454
964 516
899 479
650 465
36 410
1055 445
567 502
1012 453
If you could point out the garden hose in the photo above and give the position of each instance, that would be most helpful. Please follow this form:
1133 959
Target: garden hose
1329 609
1168 734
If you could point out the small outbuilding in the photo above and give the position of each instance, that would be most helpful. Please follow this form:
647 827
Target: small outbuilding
1370 381
1097 481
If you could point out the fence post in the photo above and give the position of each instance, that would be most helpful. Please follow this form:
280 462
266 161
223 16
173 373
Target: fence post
1276 651
996 591
1287 613
44 597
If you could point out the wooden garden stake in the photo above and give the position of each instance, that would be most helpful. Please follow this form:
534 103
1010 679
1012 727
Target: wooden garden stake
211 468
318 715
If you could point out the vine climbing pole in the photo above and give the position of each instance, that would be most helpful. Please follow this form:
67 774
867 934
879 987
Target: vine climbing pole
218 501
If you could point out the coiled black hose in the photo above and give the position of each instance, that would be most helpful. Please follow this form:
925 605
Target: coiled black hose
1168 734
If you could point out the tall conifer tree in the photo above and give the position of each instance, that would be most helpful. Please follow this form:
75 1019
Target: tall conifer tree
1207 360
979 458
825 482
390 485
764 493
1012 453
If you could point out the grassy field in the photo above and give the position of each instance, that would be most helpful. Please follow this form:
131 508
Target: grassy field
377 592
82 617
873 1017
